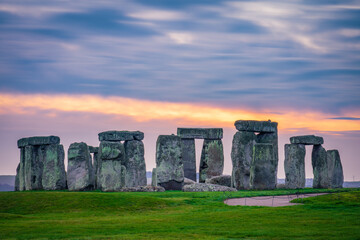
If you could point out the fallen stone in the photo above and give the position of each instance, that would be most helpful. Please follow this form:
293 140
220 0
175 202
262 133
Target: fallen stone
143 189
116 136
256 126
263 167
35 141
200 133
241 156
212 159
307 140
320 167
294 165
54 176
206 187
223 180
112 172
135 164
169 166
80 174
188 158
188 181
336 175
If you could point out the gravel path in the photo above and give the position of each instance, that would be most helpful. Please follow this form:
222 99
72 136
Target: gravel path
269 201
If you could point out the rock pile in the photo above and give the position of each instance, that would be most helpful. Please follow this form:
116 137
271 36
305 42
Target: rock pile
41 164
326 165
251 153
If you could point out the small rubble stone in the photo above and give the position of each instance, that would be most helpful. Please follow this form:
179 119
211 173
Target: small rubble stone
116 136
336 175
188 158
40 140
256 126
241 156
169 166
111 174
80 174
143 189
206 187
263 167
307 140
135 164
212 159
200 133
294 165
188 181
320 167
223 180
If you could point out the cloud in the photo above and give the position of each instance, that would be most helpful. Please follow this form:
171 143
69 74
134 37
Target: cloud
157 15
181 38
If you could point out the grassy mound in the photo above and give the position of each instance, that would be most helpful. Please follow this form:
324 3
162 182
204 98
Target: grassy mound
176 215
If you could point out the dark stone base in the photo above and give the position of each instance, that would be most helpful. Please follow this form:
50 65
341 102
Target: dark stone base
171 185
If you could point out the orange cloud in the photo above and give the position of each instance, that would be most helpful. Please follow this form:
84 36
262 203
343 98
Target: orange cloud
183 113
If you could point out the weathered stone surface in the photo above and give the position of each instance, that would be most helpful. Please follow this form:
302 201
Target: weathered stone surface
336 175
294 165
17 180
135 164
115 136
111 174
320 167
307 140
188 158
200 133
80 174
188 181
256 126
223 180
21 172
263 167
169 166
93 149
241 156
153 178
38 141
54 176
33 167
212 159
143 189
206 187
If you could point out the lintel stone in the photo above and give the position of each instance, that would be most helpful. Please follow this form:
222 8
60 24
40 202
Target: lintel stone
200 133
93 149
256 126
40 140
307 140
115 136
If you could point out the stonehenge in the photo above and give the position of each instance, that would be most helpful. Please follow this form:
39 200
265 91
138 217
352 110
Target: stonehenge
118 163
41 164
250 151
327 168
212 156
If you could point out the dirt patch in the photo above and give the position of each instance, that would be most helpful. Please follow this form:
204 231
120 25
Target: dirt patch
269 201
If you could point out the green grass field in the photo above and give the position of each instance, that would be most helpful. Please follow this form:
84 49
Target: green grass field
176 215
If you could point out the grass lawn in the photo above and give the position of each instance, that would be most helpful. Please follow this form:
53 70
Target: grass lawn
176 215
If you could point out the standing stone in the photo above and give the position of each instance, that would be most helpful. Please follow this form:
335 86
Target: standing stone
320 167
80 175
336 175
212 159
21 173
241 156
54 176
33 167
153 178
95 161
294 165
17 180
135 164
111 175
263 168
188 158
169 166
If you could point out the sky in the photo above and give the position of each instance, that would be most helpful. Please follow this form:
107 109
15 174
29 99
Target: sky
77 68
